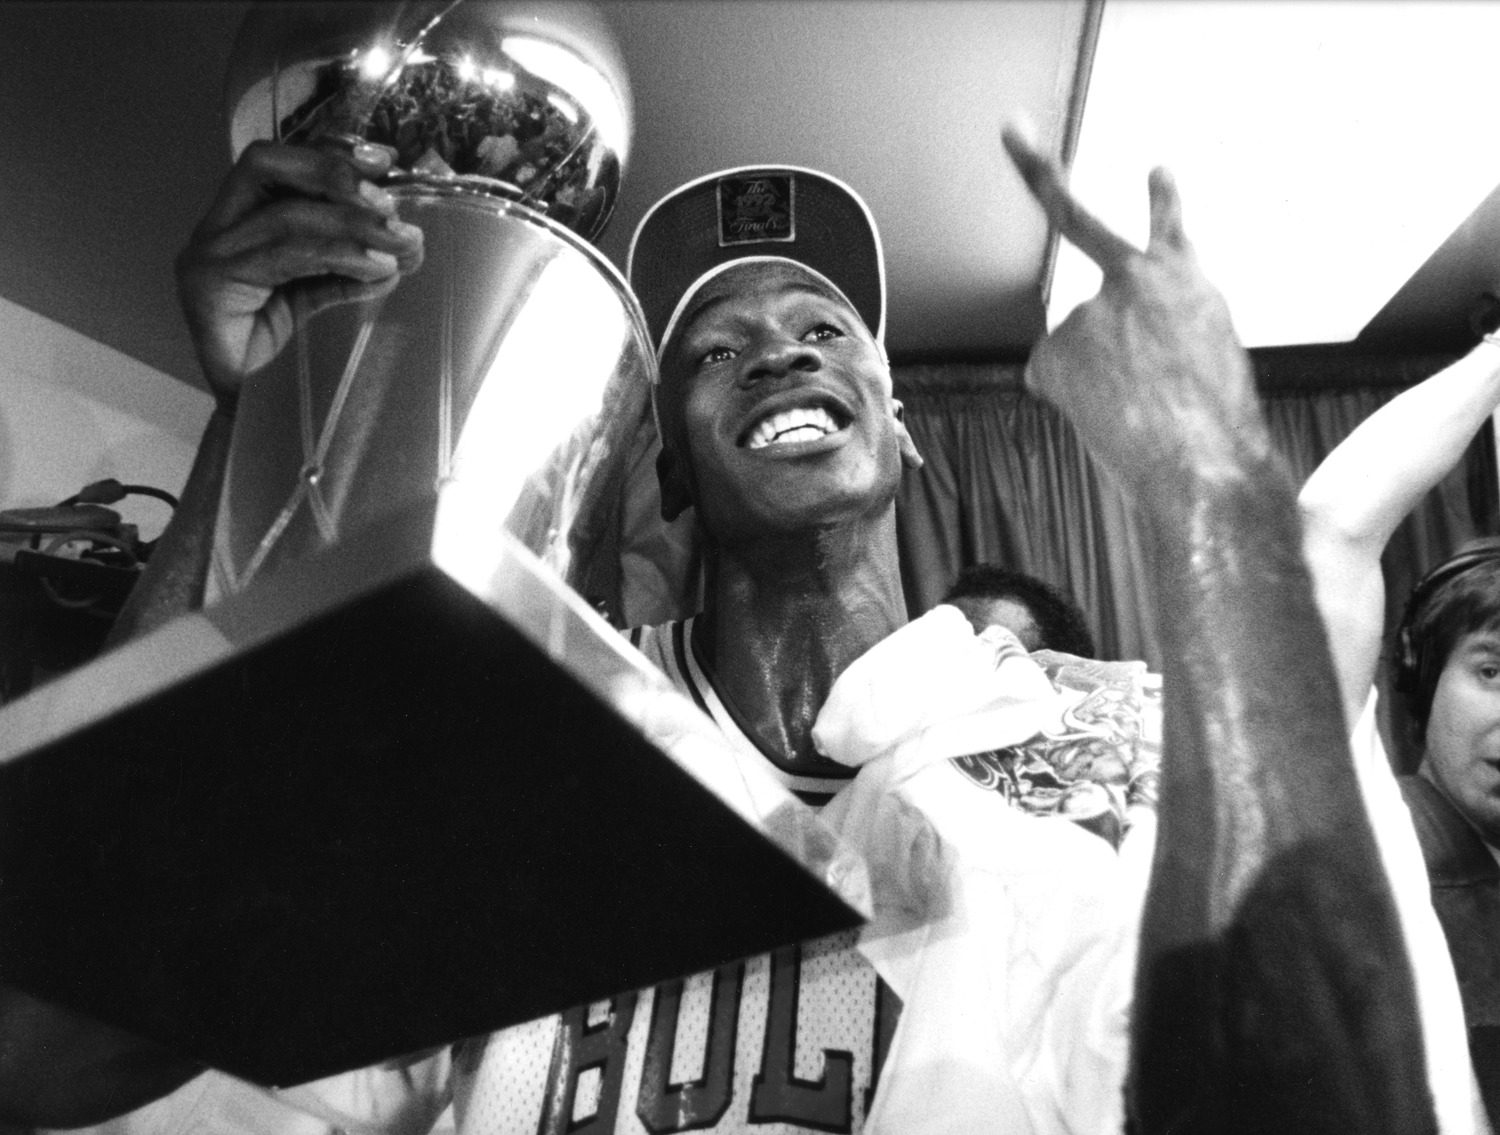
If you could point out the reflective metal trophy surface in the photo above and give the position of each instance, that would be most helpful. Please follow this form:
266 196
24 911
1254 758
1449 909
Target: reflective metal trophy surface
514 365
398 782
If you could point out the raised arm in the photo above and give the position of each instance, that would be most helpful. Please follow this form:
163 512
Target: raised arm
286 220
1354 500
1273 991
289 224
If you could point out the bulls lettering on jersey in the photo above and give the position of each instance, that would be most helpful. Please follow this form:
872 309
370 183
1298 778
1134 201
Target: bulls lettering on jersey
787 1042
790 1041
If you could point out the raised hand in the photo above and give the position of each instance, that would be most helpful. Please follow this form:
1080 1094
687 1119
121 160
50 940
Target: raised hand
1149 371
291 226
287 219
1274 989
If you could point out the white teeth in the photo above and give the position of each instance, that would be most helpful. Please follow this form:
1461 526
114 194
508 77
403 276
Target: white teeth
805 423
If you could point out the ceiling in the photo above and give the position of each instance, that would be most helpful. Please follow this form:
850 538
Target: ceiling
114 143
1331 156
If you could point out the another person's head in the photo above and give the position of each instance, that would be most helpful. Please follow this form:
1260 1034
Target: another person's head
1448 673
1040 615
764 292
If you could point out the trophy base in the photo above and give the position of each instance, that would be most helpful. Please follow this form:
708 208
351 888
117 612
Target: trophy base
362 809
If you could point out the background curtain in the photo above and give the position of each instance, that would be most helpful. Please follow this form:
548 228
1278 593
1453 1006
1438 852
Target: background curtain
1005 480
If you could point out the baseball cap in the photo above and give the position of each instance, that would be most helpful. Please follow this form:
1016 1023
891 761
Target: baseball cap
754 213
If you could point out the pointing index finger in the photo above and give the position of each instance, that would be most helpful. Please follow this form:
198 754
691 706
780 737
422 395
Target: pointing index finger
1045 179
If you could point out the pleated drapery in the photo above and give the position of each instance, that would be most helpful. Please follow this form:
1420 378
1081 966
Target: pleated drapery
1007 481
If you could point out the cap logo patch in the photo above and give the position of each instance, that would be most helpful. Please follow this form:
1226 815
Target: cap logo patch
756 209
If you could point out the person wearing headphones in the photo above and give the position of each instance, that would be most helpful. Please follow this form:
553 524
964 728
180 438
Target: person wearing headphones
1447 671
1448 674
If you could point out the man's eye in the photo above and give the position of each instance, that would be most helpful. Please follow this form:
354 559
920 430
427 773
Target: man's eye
1489 671
823 332
715 355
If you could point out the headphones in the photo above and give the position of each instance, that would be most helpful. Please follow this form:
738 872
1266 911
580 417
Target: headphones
1408 657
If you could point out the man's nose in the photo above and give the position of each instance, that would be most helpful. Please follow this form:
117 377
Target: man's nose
776 358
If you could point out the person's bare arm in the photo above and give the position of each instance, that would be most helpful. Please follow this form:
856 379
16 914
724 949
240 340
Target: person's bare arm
290 224
1361 491
1273 991
176 576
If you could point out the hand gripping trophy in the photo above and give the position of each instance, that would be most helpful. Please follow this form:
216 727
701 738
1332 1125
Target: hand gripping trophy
508 369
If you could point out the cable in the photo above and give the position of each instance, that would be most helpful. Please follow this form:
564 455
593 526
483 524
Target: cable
110 491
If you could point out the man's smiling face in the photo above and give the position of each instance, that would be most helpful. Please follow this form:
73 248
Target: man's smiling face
776 403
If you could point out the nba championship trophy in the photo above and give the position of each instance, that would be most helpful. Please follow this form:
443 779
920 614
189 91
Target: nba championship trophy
513 367
399 744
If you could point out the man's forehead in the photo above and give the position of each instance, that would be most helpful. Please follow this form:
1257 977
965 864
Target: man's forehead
753 286
758 283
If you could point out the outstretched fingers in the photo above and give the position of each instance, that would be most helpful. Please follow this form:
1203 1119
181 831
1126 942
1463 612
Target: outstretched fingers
1044 177
1166 213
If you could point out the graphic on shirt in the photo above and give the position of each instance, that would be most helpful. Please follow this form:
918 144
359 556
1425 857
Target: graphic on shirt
1100 760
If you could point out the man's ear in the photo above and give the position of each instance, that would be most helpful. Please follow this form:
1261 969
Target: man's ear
909 455
676 498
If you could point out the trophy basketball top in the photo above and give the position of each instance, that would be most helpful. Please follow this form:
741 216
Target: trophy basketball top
528 100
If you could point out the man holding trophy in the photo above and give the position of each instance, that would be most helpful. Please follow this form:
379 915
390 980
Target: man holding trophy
763 293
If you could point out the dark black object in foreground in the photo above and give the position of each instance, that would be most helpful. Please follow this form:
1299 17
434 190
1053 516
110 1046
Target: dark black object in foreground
394 824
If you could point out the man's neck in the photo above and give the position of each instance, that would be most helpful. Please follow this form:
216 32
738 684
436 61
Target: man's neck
784 619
